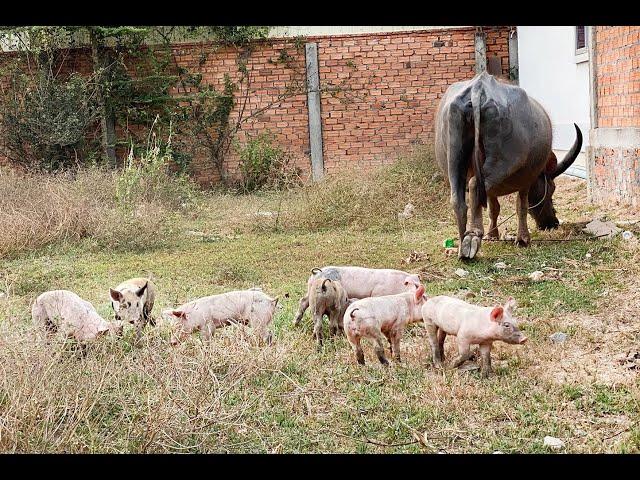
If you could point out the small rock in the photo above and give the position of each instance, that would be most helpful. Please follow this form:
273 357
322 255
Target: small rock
265 214
407 212
601 229
500 265
553 442
414 256
498 452
536 276
465 294
579 432
461 272
627 235
587 255
558 337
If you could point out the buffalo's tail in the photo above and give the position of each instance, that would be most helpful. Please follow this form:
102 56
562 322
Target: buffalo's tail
481 192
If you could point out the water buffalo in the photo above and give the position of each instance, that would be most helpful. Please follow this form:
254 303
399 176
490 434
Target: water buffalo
496 138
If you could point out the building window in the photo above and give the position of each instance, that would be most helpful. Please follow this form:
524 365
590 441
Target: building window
581 52
581 39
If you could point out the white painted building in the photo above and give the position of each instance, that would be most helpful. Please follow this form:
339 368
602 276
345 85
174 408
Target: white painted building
554 69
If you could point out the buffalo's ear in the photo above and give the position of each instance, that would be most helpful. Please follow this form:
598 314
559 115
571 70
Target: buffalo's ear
115 295
140 292
552 163
419 292
496 314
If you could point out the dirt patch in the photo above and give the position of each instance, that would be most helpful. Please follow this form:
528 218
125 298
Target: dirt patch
592 353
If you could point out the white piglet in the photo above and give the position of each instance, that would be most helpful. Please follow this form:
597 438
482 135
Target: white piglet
359 282
379 317
471 325
247 307
65 312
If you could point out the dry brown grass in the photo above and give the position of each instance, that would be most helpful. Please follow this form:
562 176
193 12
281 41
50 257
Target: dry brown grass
232 396
370 199
44 209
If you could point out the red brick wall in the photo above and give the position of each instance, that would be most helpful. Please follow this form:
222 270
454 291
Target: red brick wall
616 175
393 81
399 79
618 76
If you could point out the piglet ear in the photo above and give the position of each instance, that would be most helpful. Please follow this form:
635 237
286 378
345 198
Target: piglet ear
178 313
115 295
140 292
419 292
510 304
496 314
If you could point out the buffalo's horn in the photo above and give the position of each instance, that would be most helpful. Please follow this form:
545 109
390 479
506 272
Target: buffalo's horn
571 155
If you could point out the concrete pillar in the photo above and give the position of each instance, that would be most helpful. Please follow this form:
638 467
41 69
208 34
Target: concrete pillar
313 108
481 51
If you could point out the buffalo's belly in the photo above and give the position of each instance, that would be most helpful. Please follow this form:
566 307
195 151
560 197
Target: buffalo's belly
520 180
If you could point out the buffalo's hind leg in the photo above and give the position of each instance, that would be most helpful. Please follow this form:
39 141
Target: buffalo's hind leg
522 207
459 140
473 237
494 213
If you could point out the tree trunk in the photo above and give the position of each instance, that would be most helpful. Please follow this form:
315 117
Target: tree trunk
107 116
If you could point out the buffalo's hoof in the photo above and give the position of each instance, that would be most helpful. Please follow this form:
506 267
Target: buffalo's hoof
494 236
470 245
522 242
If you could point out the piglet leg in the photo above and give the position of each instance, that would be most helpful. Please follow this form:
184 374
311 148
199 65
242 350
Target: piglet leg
464 354
432 332
485 351
379 349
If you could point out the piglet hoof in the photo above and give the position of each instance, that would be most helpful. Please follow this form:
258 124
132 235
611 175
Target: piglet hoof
384 361
360 358
470 245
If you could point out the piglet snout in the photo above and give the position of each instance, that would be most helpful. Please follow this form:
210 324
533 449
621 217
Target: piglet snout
523 340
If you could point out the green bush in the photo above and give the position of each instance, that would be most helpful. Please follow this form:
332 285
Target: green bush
46 120
147 178
265 165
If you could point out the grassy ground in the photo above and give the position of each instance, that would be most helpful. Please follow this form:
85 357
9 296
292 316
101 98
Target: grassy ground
232 396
